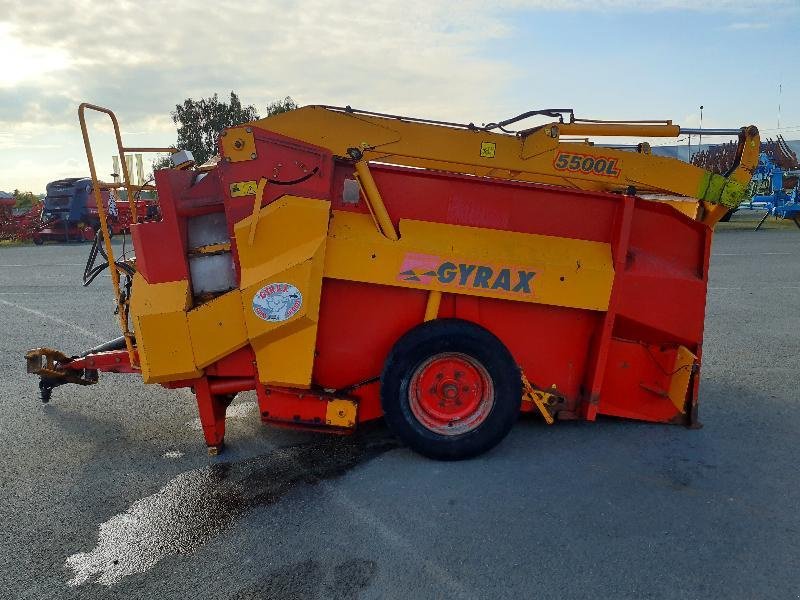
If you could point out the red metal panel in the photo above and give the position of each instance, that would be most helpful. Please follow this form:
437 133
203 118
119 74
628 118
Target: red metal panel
161 245
599 349
636 382
550 343
662 288
281 160
240 363
495 204
358 325
301 409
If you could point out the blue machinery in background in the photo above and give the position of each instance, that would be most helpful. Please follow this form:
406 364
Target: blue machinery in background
769 193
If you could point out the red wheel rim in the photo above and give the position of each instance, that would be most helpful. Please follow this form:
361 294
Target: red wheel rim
451 393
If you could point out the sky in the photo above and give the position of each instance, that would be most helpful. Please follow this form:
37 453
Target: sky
477 61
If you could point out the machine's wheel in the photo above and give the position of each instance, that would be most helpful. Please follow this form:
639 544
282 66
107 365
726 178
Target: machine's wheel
450 389
38 241
727 216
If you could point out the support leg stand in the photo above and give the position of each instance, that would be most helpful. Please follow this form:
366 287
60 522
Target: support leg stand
212 415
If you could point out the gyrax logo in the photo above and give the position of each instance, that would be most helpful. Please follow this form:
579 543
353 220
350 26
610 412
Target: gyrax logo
424 268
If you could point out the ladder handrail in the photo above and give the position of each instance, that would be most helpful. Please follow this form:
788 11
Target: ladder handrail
96 187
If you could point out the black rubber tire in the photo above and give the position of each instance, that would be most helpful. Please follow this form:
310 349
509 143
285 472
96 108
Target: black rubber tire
38 241
441 336
727 216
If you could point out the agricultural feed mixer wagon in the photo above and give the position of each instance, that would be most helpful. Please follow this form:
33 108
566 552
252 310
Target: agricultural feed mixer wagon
347 265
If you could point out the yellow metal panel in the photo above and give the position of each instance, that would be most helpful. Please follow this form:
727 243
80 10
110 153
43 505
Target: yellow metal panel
148 298
306 278
284 265
290 231
681 372
688 208
217 328
472 261
164 347
289 359
162 333
238 144
341 413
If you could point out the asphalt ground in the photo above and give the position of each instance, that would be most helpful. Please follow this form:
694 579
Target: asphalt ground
107 492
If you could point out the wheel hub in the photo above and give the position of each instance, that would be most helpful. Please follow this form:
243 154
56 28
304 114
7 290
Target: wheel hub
451 393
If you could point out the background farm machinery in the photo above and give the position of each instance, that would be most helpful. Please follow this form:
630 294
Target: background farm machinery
775 183
18 225
70 212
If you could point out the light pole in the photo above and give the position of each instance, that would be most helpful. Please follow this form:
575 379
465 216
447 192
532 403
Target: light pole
701 127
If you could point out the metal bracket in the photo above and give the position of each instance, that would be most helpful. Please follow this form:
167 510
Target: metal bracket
541 399
238 144
48 365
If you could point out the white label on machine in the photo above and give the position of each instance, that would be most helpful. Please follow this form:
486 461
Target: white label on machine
277 302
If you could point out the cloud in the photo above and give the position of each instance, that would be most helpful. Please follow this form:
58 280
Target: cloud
142 58
744 26
427 58
657 5
266 51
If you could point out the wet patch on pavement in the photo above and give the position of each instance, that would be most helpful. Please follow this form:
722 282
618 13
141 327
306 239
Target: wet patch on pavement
311 580
196 505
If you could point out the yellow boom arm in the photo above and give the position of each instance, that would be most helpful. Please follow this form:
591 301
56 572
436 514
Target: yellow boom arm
537 155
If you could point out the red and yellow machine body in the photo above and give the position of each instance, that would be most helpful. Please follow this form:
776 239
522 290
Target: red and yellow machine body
294 265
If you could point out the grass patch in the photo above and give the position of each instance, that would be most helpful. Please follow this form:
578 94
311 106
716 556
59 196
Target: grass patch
746 220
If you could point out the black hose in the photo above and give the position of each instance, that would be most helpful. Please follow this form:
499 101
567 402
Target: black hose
553 113
91 271
115 344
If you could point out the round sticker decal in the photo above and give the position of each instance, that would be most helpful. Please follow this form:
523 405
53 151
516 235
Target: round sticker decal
277 302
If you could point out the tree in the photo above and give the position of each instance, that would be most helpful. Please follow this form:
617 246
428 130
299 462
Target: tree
25 199
201 121
281 106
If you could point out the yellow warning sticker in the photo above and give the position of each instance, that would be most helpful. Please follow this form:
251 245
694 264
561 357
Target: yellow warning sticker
488 149
243 188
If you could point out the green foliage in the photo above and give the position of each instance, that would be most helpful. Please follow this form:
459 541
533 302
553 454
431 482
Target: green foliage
201 121
281 106
25 199
162 162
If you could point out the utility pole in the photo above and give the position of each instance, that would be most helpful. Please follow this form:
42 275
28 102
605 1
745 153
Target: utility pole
701 127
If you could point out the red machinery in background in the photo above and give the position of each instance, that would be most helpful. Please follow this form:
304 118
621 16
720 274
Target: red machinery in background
70 212
15 225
